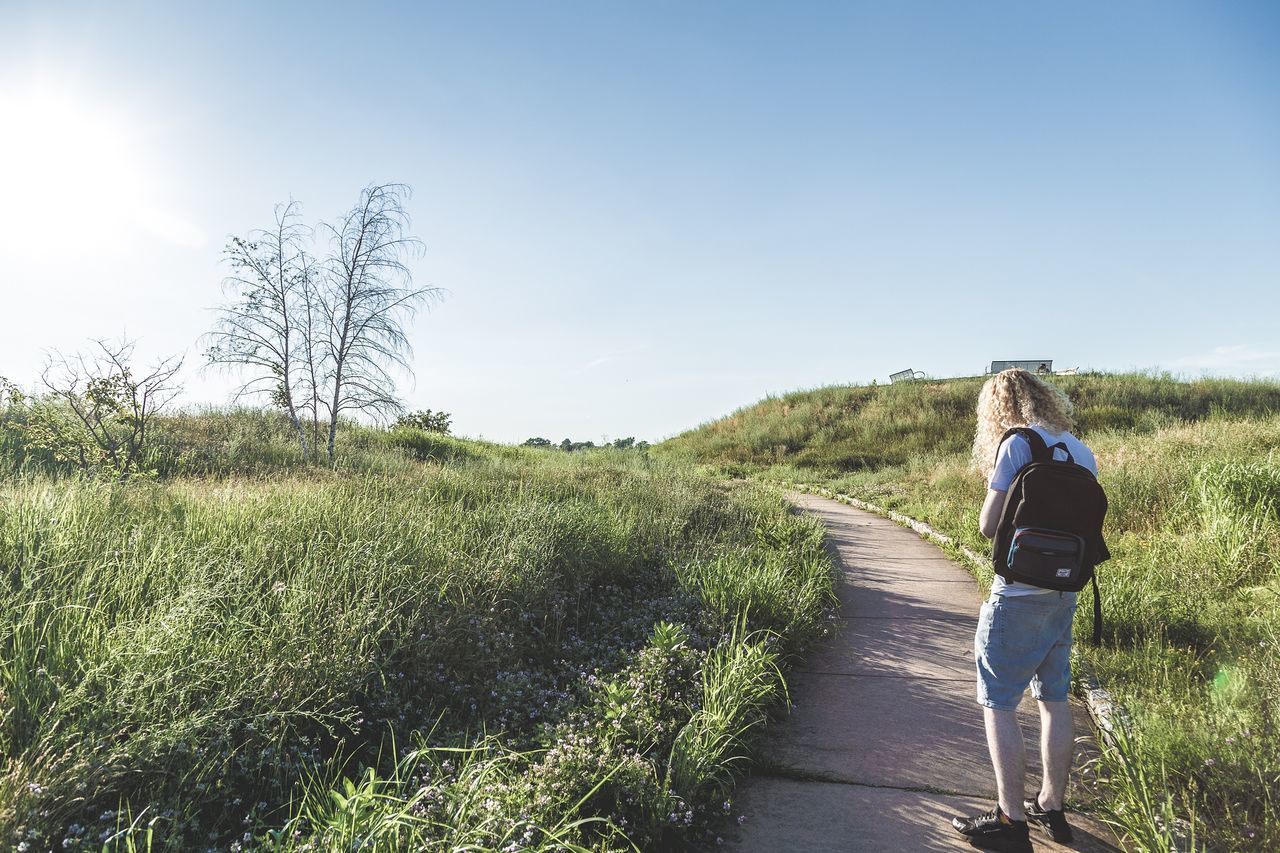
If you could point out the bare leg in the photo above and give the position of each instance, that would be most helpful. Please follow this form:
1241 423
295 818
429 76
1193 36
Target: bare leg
1008 756
1057 742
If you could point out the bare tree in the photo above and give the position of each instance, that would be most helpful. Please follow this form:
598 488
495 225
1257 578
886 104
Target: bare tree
269 325
313 350
322 339
111 406
368 293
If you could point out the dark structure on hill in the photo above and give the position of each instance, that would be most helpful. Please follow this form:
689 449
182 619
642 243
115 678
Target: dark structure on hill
1032 365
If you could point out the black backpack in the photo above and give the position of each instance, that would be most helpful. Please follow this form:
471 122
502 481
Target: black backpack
1050 531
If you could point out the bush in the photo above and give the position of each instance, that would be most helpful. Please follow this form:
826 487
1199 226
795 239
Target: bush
427 421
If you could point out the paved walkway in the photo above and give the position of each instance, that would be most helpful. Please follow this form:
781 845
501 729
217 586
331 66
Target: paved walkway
885 743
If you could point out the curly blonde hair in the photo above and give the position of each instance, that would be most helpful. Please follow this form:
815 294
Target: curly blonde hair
1015 398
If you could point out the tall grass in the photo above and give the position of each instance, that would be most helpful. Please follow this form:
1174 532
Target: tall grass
1191 597
439 640
630 776
740 678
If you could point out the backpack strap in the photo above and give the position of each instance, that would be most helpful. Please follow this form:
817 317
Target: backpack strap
1040 451
1097 612
1063 447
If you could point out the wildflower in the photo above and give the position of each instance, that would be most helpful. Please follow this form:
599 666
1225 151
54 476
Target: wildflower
1209 762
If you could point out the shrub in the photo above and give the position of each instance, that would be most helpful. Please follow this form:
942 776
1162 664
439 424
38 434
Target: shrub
427 421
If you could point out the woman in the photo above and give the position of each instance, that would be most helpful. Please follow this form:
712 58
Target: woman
1024 631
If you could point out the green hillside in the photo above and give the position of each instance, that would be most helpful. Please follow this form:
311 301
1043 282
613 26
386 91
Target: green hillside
853 427
1191 596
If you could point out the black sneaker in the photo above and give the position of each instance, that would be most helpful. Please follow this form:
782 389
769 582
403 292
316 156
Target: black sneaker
1054 820
990 832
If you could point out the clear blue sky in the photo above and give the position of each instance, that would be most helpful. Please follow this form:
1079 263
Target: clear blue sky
650 214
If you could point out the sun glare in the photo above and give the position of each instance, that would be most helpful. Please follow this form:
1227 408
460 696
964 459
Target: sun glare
72 175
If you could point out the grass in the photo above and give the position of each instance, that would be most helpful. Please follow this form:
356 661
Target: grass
1191 597
850 428
438 644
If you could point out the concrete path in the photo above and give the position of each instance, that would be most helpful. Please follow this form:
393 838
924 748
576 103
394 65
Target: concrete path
885 743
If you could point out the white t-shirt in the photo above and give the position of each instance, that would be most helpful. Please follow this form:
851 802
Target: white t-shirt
1012 456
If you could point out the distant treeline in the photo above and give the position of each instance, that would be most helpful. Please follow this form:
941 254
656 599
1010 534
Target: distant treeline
568 446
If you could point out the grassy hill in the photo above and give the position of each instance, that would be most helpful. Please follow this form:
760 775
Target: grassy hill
437 645
857 427
1191 597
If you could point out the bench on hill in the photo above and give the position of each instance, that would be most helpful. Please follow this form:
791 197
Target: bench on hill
905 375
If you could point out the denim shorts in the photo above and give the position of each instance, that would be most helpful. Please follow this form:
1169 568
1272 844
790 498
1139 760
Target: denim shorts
1021 640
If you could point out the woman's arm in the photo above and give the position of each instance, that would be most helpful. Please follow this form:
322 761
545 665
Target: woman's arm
989 519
